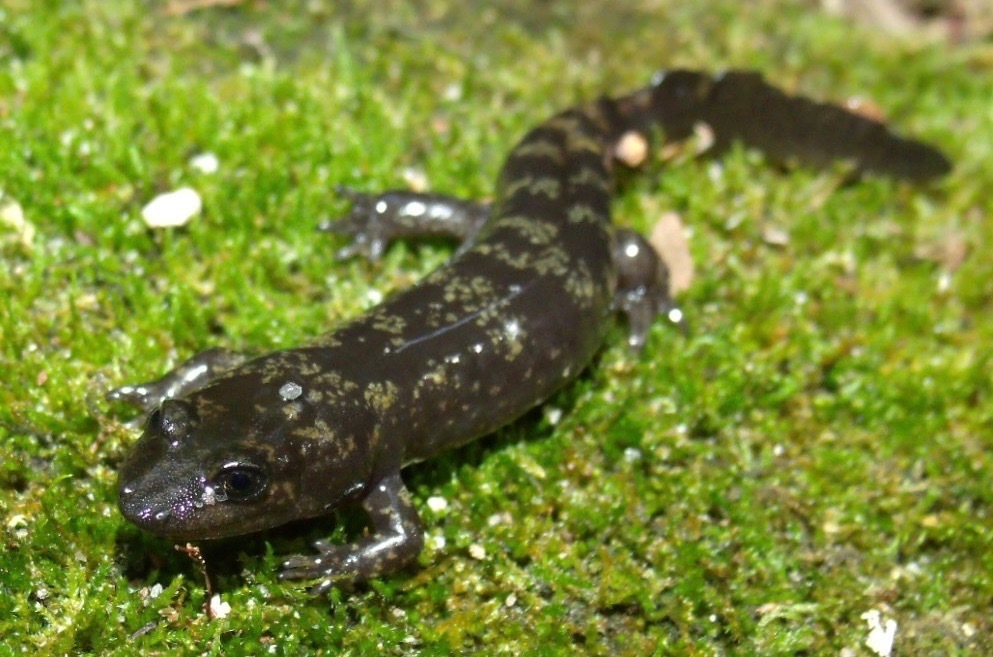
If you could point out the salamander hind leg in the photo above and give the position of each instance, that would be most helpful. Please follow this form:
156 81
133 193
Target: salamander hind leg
642 291
375 220
187 377
397 539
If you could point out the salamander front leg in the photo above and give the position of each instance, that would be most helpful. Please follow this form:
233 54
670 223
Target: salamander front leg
397 539
642 287
187 377
375 220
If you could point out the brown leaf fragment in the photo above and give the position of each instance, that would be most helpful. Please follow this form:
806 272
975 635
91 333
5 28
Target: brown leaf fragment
668 238
949 251
953 21
775 236
865 107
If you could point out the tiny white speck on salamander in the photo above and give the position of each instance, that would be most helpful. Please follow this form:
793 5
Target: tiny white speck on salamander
290 391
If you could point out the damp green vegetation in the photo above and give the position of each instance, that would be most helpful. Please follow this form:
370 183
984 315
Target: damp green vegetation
817 448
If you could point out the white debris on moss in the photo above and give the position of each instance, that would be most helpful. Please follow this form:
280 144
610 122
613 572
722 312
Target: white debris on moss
206 163
416 179
172 209
437 503
631 149
12 218
882 632
374 296
437 542
219 608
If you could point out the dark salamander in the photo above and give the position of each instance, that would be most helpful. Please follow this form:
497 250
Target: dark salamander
233 446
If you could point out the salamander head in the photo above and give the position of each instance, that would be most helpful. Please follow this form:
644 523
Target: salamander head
204 469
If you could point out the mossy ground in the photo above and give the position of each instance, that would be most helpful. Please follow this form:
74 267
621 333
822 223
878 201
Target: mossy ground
818 447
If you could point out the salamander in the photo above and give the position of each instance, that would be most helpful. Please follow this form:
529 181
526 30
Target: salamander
234 445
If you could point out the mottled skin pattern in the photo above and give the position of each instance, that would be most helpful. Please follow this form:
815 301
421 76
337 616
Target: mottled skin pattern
234 446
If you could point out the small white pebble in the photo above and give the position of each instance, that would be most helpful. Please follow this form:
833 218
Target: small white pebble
172 208
775 236
155 591
831 526
416 179
437 503
631 148
882 632
218 608
632 455
438 542
477 552
452 92
499 519
944 282
511 600
704 137
205 163
17 520
553 415
12 217
290 391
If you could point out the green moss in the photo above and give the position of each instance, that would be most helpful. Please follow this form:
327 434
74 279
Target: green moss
818 447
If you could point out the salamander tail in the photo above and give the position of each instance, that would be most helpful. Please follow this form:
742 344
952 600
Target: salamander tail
741 106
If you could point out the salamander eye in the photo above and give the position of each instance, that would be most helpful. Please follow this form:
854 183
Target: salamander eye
241 482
